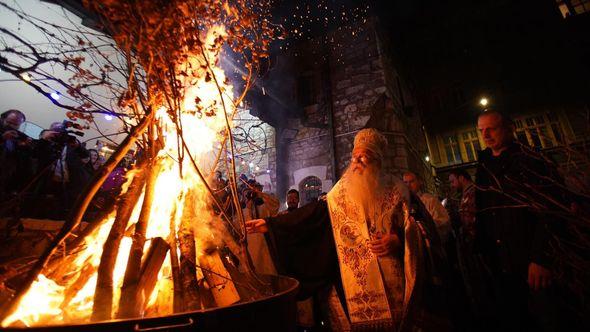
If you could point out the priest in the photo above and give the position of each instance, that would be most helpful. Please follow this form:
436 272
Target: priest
360 249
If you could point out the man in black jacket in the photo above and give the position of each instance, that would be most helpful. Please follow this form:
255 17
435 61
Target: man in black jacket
15 154
514 184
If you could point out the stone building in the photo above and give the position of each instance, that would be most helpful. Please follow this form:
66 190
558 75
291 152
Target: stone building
525 58
321 92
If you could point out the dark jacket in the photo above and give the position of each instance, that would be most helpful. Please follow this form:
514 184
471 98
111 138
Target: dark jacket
511 231
16 164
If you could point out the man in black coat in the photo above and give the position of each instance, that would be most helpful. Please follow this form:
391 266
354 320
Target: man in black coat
515 187
15 154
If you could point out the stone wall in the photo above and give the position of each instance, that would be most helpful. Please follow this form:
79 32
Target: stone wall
358 84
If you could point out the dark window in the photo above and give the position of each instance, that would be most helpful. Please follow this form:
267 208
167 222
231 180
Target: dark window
581 6
541 131
555 128
306 90
470 144
547 141
535 138
557 132
573 7
452 149
521 136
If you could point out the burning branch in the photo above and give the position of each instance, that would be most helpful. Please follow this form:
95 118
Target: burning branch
103 296
128 304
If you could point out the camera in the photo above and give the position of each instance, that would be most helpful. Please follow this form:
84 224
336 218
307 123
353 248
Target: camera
20 140
250 194
66 135
57 137
21 136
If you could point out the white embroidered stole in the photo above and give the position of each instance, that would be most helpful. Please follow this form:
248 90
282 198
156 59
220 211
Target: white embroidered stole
362 280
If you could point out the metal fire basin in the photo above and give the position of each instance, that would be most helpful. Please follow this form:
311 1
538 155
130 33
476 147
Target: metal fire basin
274 313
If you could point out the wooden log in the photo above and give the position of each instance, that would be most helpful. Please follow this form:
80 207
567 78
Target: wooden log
163 306
206 296
248 269
150 268
188 256
61 263
129 302
103 295
73 289
219 280
123 199
178 298
244 285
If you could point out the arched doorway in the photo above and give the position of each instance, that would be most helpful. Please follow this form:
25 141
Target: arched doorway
310 189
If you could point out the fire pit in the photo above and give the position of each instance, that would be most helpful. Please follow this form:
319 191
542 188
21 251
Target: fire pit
274 313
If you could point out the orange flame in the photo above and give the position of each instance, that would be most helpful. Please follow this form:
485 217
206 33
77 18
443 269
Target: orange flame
42 304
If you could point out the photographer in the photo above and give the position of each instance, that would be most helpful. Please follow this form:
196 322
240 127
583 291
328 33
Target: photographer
259 205
15 154
61 153
250 194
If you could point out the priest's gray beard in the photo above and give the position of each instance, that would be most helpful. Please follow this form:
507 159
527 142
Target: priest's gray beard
366 188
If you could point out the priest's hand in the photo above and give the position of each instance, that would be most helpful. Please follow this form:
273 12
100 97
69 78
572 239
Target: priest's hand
384 244
256 226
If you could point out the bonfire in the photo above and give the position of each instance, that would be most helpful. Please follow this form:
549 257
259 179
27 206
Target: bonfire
169 244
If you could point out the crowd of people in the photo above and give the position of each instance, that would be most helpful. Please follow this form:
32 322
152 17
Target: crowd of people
371 254
47 173
380 256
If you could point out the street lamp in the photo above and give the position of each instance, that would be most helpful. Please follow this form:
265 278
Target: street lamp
484 101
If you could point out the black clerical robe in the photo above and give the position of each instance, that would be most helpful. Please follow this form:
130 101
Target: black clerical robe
302 246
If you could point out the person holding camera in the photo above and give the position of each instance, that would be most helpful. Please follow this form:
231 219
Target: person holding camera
15 153
257 204
61 155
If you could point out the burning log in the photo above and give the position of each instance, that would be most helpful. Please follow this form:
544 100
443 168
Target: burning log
219 280
85 274
103 296
244 286
151 267
59 264
188 256
174 264
207 298
128 304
